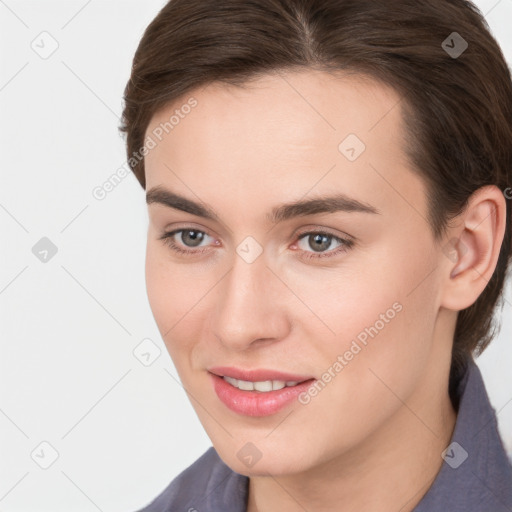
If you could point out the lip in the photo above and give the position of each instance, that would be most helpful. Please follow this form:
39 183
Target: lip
257 374
256 403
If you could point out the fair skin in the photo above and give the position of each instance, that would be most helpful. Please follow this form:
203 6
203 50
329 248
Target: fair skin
372 438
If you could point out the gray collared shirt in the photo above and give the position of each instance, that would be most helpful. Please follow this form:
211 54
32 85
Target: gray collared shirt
476 475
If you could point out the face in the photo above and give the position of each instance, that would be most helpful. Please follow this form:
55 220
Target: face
341 292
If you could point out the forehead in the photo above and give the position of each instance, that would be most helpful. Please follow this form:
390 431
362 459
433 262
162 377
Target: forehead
300 106
285 134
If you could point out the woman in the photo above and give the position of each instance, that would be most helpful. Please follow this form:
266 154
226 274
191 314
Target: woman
327 185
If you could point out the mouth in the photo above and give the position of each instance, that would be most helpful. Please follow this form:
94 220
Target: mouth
257 392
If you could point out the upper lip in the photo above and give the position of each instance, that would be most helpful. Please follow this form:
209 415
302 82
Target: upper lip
257 375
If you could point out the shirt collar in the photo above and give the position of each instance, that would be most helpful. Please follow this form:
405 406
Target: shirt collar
476 473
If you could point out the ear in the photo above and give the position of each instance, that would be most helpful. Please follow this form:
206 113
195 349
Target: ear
471 249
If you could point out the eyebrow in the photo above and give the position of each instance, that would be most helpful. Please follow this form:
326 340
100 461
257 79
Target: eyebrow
280 213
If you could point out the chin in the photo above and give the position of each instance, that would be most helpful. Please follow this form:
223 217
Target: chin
265 462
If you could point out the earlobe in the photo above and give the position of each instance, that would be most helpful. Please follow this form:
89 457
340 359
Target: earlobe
475 246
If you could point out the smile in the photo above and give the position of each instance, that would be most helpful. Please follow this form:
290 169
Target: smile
257 398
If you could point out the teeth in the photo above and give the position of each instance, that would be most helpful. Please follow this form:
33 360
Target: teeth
263 386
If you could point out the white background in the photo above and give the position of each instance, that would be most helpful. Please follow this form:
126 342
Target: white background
69 326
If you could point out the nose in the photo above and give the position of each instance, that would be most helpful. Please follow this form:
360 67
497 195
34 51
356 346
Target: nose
251 306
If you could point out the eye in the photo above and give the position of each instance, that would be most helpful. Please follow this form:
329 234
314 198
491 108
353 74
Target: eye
320 240
188 235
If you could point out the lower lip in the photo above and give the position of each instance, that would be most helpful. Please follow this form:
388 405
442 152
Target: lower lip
257 403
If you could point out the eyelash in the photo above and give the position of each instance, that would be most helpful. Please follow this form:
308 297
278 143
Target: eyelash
346 244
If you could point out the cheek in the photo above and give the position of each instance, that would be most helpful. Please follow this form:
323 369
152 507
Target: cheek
157 288
374 362
377 314
357 300
176 295
168 301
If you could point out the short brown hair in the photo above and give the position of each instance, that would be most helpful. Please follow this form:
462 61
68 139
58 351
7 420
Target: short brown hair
457 108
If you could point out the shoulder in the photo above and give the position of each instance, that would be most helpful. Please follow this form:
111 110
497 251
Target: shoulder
476 474
207 484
